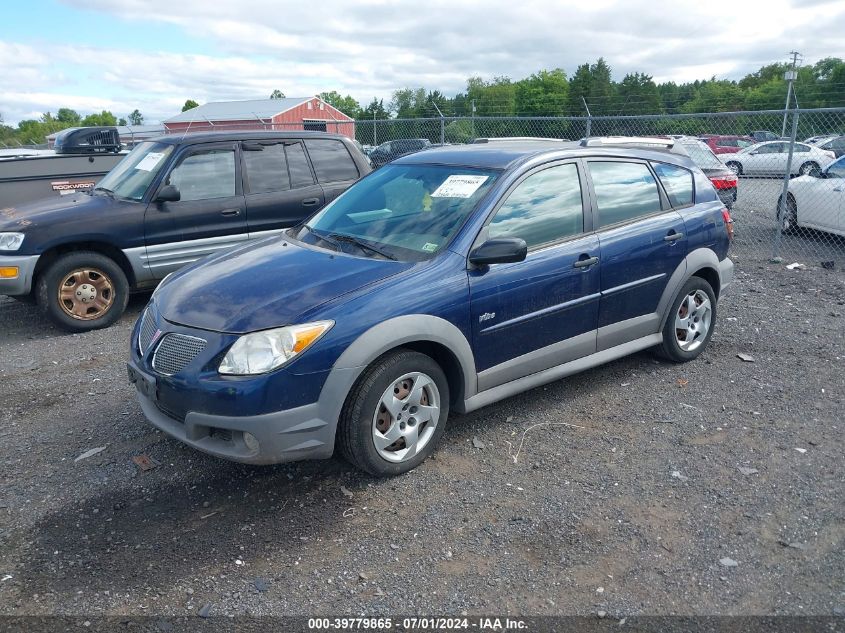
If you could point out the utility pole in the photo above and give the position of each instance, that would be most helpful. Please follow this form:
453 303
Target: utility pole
790 76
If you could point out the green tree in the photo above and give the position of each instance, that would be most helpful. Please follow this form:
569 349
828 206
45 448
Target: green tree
190 104
136 118
637 94
69 117
122 121
347 105
277 94
542 94
103 118
579 90
375 110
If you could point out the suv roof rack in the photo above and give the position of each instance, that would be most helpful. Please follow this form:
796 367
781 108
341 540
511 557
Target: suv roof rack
500 139
652 142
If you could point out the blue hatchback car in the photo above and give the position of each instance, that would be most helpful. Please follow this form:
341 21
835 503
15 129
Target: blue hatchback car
446 281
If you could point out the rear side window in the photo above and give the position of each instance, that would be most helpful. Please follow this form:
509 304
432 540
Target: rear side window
331 160
300 172
545 207
677 182
624 191
267 169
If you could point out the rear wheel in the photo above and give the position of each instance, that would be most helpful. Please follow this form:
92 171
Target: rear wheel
395 414
690 323
809 168
83 291
735 167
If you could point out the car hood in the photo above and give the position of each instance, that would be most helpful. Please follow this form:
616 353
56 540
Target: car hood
264 285
48 210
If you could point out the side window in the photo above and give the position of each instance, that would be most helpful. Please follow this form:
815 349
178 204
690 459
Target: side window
331 160
677 182
205 175
267 169
298 168
742 144
728 142
799 148
770 148
837 144
545 207
624 191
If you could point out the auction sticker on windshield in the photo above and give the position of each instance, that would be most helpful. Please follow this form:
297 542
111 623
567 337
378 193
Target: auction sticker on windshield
149 161
459 186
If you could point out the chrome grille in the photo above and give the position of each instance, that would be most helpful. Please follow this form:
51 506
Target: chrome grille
175 351
148 329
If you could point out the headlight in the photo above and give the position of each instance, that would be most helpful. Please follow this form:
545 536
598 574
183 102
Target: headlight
260 352
10 241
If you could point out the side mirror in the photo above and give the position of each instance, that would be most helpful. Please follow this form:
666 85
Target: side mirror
501 250
168 193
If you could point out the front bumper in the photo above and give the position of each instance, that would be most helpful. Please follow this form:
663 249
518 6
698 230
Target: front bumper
284 436
22 283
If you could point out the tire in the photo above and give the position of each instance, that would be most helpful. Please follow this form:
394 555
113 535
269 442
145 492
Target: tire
789 223
365 420
696 337
810 168
735 167
94 289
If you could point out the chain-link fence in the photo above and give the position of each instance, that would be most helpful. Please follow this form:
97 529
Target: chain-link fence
788 197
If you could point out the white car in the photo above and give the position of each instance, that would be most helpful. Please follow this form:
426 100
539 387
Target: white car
817 202
769 159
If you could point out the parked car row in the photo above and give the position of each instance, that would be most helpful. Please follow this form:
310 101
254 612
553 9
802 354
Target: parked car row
770 159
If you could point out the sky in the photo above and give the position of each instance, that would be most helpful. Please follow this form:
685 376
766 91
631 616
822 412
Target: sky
119 55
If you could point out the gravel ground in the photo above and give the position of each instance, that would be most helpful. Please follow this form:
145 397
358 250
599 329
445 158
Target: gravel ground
620 489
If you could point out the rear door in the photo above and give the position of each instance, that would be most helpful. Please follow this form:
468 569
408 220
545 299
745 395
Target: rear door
333 164
642 239
280 185
531 315
210 215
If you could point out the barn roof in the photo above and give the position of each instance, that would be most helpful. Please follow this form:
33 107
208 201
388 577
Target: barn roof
238 110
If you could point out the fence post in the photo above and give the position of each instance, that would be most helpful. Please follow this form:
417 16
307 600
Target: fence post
442 130
781 213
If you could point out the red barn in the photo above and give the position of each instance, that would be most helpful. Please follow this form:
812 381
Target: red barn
302 113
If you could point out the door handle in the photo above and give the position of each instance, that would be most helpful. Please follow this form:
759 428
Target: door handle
672 237
584 263
310 202
230 212
839 189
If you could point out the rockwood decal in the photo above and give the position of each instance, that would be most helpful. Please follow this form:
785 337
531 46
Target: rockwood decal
65 186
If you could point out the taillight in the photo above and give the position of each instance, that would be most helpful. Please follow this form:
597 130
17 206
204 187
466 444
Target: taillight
724 182
729 223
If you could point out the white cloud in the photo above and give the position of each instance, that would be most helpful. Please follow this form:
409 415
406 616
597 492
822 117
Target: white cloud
372 47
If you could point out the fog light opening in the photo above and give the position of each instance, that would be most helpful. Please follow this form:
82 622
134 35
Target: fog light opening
251 442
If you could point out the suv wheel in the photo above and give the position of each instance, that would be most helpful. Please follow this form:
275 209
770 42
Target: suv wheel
395 414
83 291
690 323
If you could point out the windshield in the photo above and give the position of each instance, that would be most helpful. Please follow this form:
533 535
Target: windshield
409 212
701 155
131 177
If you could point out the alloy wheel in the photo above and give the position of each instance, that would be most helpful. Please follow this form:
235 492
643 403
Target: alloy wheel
692 321
406 417
86 294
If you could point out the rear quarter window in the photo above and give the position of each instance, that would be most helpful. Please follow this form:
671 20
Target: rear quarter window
624 191
332 161
677 182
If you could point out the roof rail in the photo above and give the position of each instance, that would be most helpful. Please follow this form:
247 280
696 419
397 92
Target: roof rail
500 139
648 142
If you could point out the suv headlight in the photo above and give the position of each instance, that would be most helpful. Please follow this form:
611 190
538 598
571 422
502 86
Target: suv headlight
10 241
261 352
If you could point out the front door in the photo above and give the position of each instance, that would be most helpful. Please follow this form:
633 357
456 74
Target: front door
280 186
531 315
209 216
642 243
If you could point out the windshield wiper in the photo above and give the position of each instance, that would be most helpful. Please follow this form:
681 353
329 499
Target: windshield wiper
109 192
341 237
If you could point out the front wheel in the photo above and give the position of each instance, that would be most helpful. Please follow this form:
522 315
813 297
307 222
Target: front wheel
395 414
690 323
735 167
789 217
83 291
